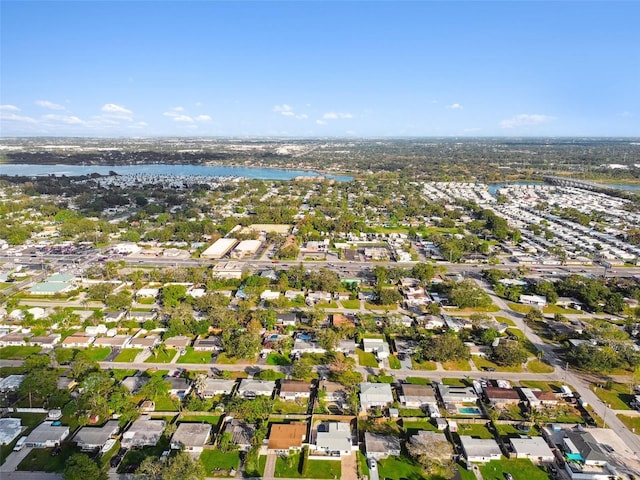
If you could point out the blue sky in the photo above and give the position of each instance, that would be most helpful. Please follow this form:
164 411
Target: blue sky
332 68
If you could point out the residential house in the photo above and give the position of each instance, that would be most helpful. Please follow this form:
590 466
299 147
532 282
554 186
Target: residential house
134 384
479 450
535 449
377 346
333 393
332 439
303 345
10 428
538 398
286 319
142 316
180 342
112 317
241 433
45 341
119 341
379 446
11 383
250 388
208 344
455 395
348 347
94 438
318 297
47 435
502 397
269 295
78 339
538 301
179 387
417 396
149 342
293 295
292 390
191 437
375 395
14 339
286 436
144 432
217 386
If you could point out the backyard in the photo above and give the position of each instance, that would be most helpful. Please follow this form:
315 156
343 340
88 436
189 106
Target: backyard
521 469
288 467
219 464
401 467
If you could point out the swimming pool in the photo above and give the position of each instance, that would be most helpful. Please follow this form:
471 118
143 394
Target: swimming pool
469 411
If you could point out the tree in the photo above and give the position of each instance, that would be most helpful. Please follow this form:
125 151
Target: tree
423 272
468 294
172 295
509 353
178 467
155 387
388 296
534 315
80 467
434 454
328 339
301 368
443 348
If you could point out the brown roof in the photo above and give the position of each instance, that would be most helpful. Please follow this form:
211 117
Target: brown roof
501 393
545 396
285 436
179 342
117 341
294 386
411 390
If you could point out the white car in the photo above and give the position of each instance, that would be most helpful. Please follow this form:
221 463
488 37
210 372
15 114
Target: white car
372 464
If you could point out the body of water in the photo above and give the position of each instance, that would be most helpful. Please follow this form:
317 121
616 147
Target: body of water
159 169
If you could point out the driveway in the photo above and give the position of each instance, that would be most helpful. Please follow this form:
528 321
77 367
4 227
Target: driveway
12 461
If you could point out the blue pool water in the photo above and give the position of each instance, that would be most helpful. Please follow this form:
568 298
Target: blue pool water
469 411
304 336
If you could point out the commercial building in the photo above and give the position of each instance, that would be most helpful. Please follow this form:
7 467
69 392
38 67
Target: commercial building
219 248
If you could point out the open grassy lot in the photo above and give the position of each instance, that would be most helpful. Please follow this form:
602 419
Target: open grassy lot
476 430
483 363
394 362
219 464
413 426
351 304
401 467
553 309
17 352
457 365
538 366
166 404
428 365
373 306
210 419
97 354
366 359
632 423
517 307
505 320
419 381
520 468
456 382
278 359
223 359
127 355
507 431
465 474
618 396
542 385
159 356
191 356
411 412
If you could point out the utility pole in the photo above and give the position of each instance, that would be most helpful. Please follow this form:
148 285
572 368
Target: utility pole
566 369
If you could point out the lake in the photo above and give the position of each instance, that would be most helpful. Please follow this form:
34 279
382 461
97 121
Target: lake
159 169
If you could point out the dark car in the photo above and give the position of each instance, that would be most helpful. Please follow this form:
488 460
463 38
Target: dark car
488 369
56 451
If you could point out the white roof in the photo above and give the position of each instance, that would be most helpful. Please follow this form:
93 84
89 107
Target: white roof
533 447
10 428
219 248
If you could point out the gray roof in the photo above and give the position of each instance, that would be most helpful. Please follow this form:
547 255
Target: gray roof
375 392
479 447
533 446
133 384
241 433
47 432
191 435
335 436
258 387
12 382
588 446
378 443
10 428
96 436
143 431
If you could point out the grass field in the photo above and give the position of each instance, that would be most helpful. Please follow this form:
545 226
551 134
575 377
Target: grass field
538 366
520 468
366 359
428 365
211 419
401 467
278 359
97 354
17 352
218 464
474 429
287 467
462 365
127 355
351 304
542 385
553 309
286 407
191 356
394 362
40 459
483 363
618 397
505 320
161 356
632 423
517 307
374 306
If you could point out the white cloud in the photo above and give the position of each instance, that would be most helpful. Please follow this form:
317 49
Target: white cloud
177 116
283 109
321 122
9 116
455 106
114 109
335 116
66 119
49 105
302 116
9 108
182 118
288 113
203 118
524 120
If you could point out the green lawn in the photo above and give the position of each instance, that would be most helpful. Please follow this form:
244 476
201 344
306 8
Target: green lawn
40 459
284 407
517 307
192 356
459 365
363 468
211 419
223 359
456 382
161 357
414 426
288 467
120 373
428 365
218 464
632 423
618 397
127 355
483 363
476 430
374 306
465 474
520 468
538 366
553 309
419 381
97 354
351 304
542 385
17 352
165 404
401 467
366 359
394 362
506 320
278 359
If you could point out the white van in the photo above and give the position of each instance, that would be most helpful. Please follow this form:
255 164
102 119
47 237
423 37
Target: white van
19 444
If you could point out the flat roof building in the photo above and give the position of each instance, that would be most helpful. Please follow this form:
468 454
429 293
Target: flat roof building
219 248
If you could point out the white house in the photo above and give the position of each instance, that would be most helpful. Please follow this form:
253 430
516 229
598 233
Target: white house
479 450
375 395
